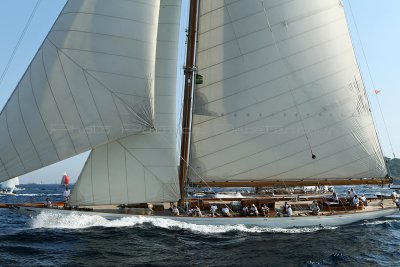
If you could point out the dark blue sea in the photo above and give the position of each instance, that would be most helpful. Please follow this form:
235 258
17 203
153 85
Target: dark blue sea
93 241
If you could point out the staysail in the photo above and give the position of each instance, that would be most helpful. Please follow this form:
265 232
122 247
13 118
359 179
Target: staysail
90 83
141 168
282 96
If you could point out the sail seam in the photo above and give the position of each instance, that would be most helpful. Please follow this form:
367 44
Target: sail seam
108 54
40 114
288 141
263 29
108 35
55 101
275 78
12 141
308 48
26 128
301 166
144 166
70 92
275 96
345 100
108 16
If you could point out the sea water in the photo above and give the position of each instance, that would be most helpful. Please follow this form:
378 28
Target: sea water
82 240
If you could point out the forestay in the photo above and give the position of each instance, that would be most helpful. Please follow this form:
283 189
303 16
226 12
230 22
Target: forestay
141 168
281 83
91 82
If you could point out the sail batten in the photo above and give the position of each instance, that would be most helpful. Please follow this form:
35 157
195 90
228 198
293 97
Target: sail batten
281 84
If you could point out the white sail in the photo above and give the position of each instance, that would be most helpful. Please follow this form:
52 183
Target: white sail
91 82
281 83
141 168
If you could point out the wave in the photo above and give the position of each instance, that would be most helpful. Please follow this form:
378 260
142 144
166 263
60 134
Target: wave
81 221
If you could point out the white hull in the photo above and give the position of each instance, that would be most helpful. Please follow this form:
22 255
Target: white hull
274 222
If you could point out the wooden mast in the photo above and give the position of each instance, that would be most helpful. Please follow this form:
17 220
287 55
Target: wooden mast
190 72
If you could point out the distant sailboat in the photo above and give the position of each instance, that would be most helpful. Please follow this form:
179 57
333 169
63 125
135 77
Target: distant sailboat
8 187
65 180
273 97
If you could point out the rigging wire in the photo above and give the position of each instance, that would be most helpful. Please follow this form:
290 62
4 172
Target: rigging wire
19 41
370 76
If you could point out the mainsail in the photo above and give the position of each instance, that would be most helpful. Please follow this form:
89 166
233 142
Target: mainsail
141 168
90 83
282 98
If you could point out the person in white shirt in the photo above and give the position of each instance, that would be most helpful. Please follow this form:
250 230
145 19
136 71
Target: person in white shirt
66 195
225 212
289 211
175 211
352 193
213 209
254 209
314 208
356 201
48 203
364 200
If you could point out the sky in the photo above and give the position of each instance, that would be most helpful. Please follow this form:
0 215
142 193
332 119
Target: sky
374 26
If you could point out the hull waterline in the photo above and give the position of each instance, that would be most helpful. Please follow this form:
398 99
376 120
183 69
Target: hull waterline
272 222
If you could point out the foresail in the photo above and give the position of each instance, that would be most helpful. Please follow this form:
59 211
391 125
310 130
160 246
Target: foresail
141 168
91 82
282 97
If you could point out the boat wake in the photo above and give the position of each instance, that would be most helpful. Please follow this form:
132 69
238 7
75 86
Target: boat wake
81 221
391 219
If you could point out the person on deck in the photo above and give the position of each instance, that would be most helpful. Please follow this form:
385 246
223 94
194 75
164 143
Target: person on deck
356 201
314 208
394 196
364 200
66 195
197 211
397 202
254 210
213 209
48 203
334 197
285 206
175 210
352 193
265 210
245 211
225 212
289 211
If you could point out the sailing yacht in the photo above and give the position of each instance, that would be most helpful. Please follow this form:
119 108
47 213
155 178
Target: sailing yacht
273 97
8 187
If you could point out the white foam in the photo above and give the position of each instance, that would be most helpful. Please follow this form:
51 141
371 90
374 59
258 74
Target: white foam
80 221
